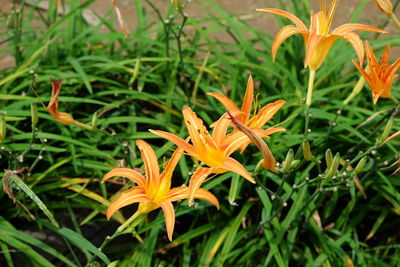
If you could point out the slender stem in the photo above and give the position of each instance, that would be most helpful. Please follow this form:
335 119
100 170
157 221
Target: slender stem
128 222
357 88
395 20
310 88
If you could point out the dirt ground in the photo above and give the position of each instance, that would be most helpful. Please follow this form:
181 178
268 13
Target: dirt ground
371 15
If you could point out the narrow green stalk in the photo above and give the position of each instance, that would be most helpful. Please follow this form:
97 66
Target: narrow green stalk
395 20
310 88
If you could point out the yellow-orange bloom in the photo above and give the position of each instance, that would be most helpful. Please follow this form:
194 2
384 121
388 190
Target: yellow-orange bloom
154 190
243 115
52 107
318 38
213 151
381 75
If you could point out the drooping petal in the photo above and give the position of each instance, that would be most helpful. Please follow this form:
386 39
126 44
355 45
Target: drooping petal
345 28
248 100
55 91
262 133
234 141
268 158
169 215
179 193
150 163
281 36
197 131
234 166
177 141
225 101
132 195
196 180
132 175
285 14
265 114
356 42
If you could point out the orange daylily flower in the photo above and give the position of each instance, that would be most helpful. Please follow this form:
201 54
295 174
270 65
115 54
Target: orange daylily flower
381 75
243 115
213 151
318 38
52 107
154 190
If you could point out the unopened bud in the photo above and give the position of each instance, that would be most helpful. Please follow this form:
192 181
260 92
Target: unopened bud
360 166
387 130
307 151
328 158
95 118
287 164
3 127
335 164
295 163
178 4
386 6
34 115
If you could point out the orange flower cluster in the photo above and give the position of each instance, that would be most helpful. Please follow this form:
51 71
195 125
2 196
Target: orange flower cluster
213 150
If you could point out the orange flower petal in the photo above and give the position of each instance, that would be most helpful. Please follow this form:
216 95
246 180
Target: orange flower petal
52 107
287 15
265 114
234 166
281 36
150 163
196 180
132 195
179 193
385 56
356 43
177 141
345 28
248 99
169 215
225 101
233 141
132 175
169 169
220 128
372 61
197 131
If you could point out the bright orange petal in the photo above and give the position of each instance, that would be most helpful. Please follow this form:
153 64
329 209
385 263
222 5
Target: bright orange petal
234 141
248 99
169 215
345 28
150 163
169 169
128 173
225 101
262 133
220 128
311 47
287 15
197 131
265 114
385 56
281 36
132 195
375 97
177 141
372 61
355 41
232 165
179 193
196 180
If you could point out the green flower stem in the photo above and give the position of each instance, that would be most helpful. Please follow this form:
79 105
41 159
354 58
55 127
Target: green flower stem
310 88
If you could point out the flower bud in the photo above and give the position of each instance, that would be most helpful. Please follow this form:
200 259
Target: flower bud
386 6
387 130
307 151
95 118
34 115
328 158
335 164
287 164
3 127
178 4
360 166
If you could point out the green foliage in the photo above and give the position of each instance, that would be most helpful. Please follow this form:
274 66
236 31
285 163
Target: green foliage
320 211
